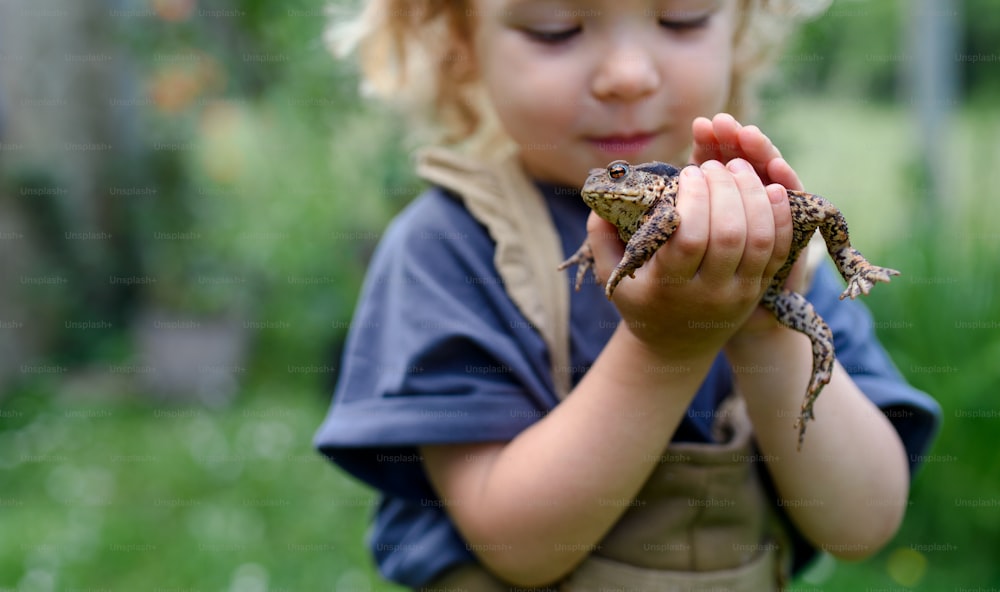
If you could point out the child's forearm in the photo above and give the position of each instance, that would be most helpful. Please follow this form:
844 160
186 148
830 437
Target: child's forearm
534 508
847 488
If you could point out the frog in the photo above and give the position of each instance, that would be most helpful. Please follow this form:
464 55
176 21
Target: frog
639 200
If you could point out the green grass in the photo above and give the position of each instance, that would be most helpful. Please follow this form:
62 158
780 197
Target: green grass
131 496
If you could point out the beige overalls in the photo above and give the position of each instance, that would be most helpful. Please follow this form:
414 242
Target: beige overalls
702 522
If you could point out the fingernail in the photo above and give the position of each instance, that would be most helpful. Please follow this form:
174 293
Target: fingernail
712 164
738 165
776 193
730 117
693 171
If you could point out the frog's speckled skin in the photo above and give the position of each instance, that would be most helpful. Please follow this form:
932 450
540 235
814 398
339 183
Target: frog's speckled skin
639 201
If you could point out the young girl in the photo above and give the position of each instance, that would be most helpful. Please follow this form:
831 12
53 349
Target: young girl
525 435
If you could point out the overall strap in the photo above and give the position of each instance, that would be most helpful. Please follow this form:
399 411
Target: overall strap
528 249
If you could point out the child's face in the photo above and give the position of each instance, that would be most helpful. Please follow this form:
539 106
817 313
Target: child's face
578 84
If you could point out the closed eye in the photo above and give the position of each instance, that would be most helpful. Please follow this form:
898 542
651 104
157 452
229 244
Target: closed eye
552 37
685 24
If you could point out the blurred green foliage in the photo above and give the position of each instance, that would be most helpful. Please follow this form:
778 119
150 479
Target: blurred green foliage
853 50
258 145
859 49
285 178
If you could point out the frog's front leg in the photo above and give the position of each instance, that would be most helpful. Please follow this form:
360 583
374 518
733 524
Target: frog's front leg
795 312
583 258
658 226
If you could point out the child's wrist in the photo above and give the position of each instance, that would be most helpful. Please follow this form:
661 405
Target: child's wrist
753 343
654 353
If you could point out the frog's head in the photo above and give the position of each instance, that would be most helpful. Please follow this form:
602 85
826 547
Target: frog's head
621 193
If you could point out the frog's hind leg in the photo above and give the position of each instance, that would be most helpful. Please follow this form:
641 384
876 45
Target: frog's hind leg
860 275
795 312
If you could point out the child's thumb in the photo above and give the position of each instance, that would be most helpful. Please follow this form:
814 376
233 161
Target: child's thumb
605 244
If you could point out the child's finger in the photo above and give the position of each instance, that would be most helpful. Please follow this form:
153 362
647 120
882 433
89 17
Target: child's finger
757 145
779 171
758 149
782 216
727 131
766 158
706 145
727 224
688 245
760 221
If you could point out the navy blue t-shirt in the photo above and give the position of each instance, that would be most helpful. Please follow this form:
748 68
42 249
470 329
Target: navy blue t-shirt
439 353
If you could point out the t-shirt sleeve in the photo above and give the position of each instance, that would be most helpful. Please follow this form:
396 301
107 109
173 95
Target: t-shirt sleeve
915 415
436 352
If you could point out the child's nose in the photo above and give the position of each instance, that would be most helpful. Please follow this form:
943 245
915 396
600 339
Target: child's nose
627 72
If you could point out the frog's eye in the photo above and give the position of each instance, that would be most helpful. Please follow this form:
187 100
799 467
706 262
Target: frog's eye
617 170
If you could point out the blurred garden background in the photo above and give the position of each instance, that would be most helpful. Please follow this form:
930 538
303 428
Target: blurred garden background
190 190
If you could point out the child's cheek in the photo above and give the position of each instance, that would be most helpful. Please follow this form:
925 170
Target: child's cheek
708 84
535 98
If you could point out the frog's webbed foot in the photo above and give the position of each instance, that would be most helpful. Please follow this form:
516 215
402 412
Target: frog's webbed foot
583 258
865 277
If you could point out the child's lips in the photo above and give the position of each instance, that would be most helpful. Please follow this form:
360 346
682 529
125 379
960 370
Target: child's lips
624 144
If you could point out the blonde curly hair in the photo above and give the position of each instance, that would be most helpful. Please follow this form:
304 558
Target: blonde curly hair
416 56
